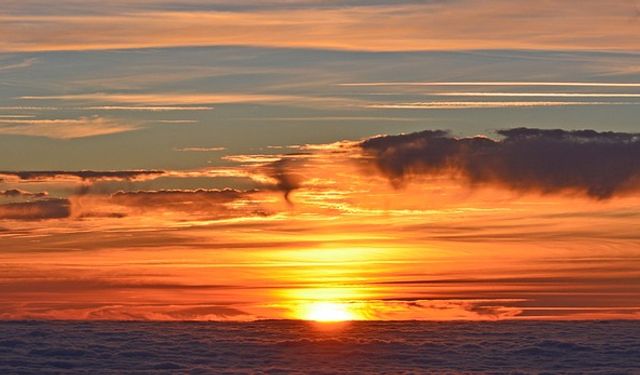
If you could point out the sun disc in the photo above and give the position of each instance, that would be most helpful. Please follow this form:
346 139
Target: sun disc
328 312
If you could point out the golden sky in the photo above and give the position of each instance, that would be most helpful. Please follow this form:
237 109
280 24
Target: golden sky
323 160
440 246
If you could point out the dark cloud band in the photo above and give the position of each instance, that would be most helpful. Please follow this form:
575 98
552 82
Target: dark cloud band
598 164
38 210
83 175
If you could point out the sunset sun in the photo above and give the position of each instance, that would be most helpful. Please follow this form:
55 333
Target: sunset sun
328 312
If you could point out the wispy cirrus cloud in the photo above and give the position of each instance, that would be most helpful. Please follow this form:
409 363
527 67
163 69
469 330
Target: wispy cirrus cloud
165 100
199 149
456 25
23 64
539 94
149 108
66 128
182 101
494 83
490 104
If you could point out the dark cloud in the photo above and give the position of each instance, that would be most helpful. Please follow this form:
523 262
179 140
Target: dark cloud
211 204
17 193
86 175
51 284
212 312
286 179
38 210
598 164
178 198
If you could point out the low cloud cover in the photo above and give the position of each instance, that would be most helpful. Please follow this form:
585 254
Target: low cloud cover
295 347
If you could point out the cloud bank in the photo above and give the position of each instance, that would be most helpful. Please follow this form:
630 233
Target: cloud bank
598 164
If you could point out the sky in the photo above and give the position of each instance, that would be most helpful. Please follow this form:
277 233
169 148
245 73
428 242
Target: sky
326 160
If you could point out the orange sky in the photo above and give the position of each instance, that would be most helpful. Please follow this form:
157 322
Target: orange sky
218 159
436 248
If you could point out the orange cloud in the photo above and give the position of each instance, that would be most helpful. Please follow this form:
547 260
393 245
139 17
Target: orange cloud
168 99
66 128
460 25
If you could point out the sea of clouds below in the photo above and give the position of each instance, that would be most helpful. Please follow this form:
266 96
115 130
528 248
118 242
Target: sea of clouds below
282 347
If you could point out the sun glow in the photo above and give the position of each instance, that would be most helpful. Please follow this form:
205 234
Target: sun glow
328 312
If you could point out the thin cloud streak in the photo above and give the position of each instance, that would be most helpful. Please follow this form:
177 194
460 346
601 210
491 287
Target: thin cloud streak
146 108
24 64
485 104
172 100
199 149
540 94
84 175
187 101
494 83
66 128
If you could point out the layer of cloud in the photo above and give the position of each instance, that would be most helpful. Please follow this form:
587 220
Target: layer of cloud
192 201
605 347
494 83
37 210
489 104
178 101
173 100
17 193
65 128
539 94
84 175
599 164
455 25
199 149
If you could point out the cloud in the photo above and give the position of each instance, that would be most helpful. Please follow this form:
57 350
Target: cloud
598 164
84 175
38 210
286 180
486 104
199 149
118 312
17 193
493 83
182 101
166 101
155 108
23 64
168 205
184 200
65 128
218 204
450 25
541 94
